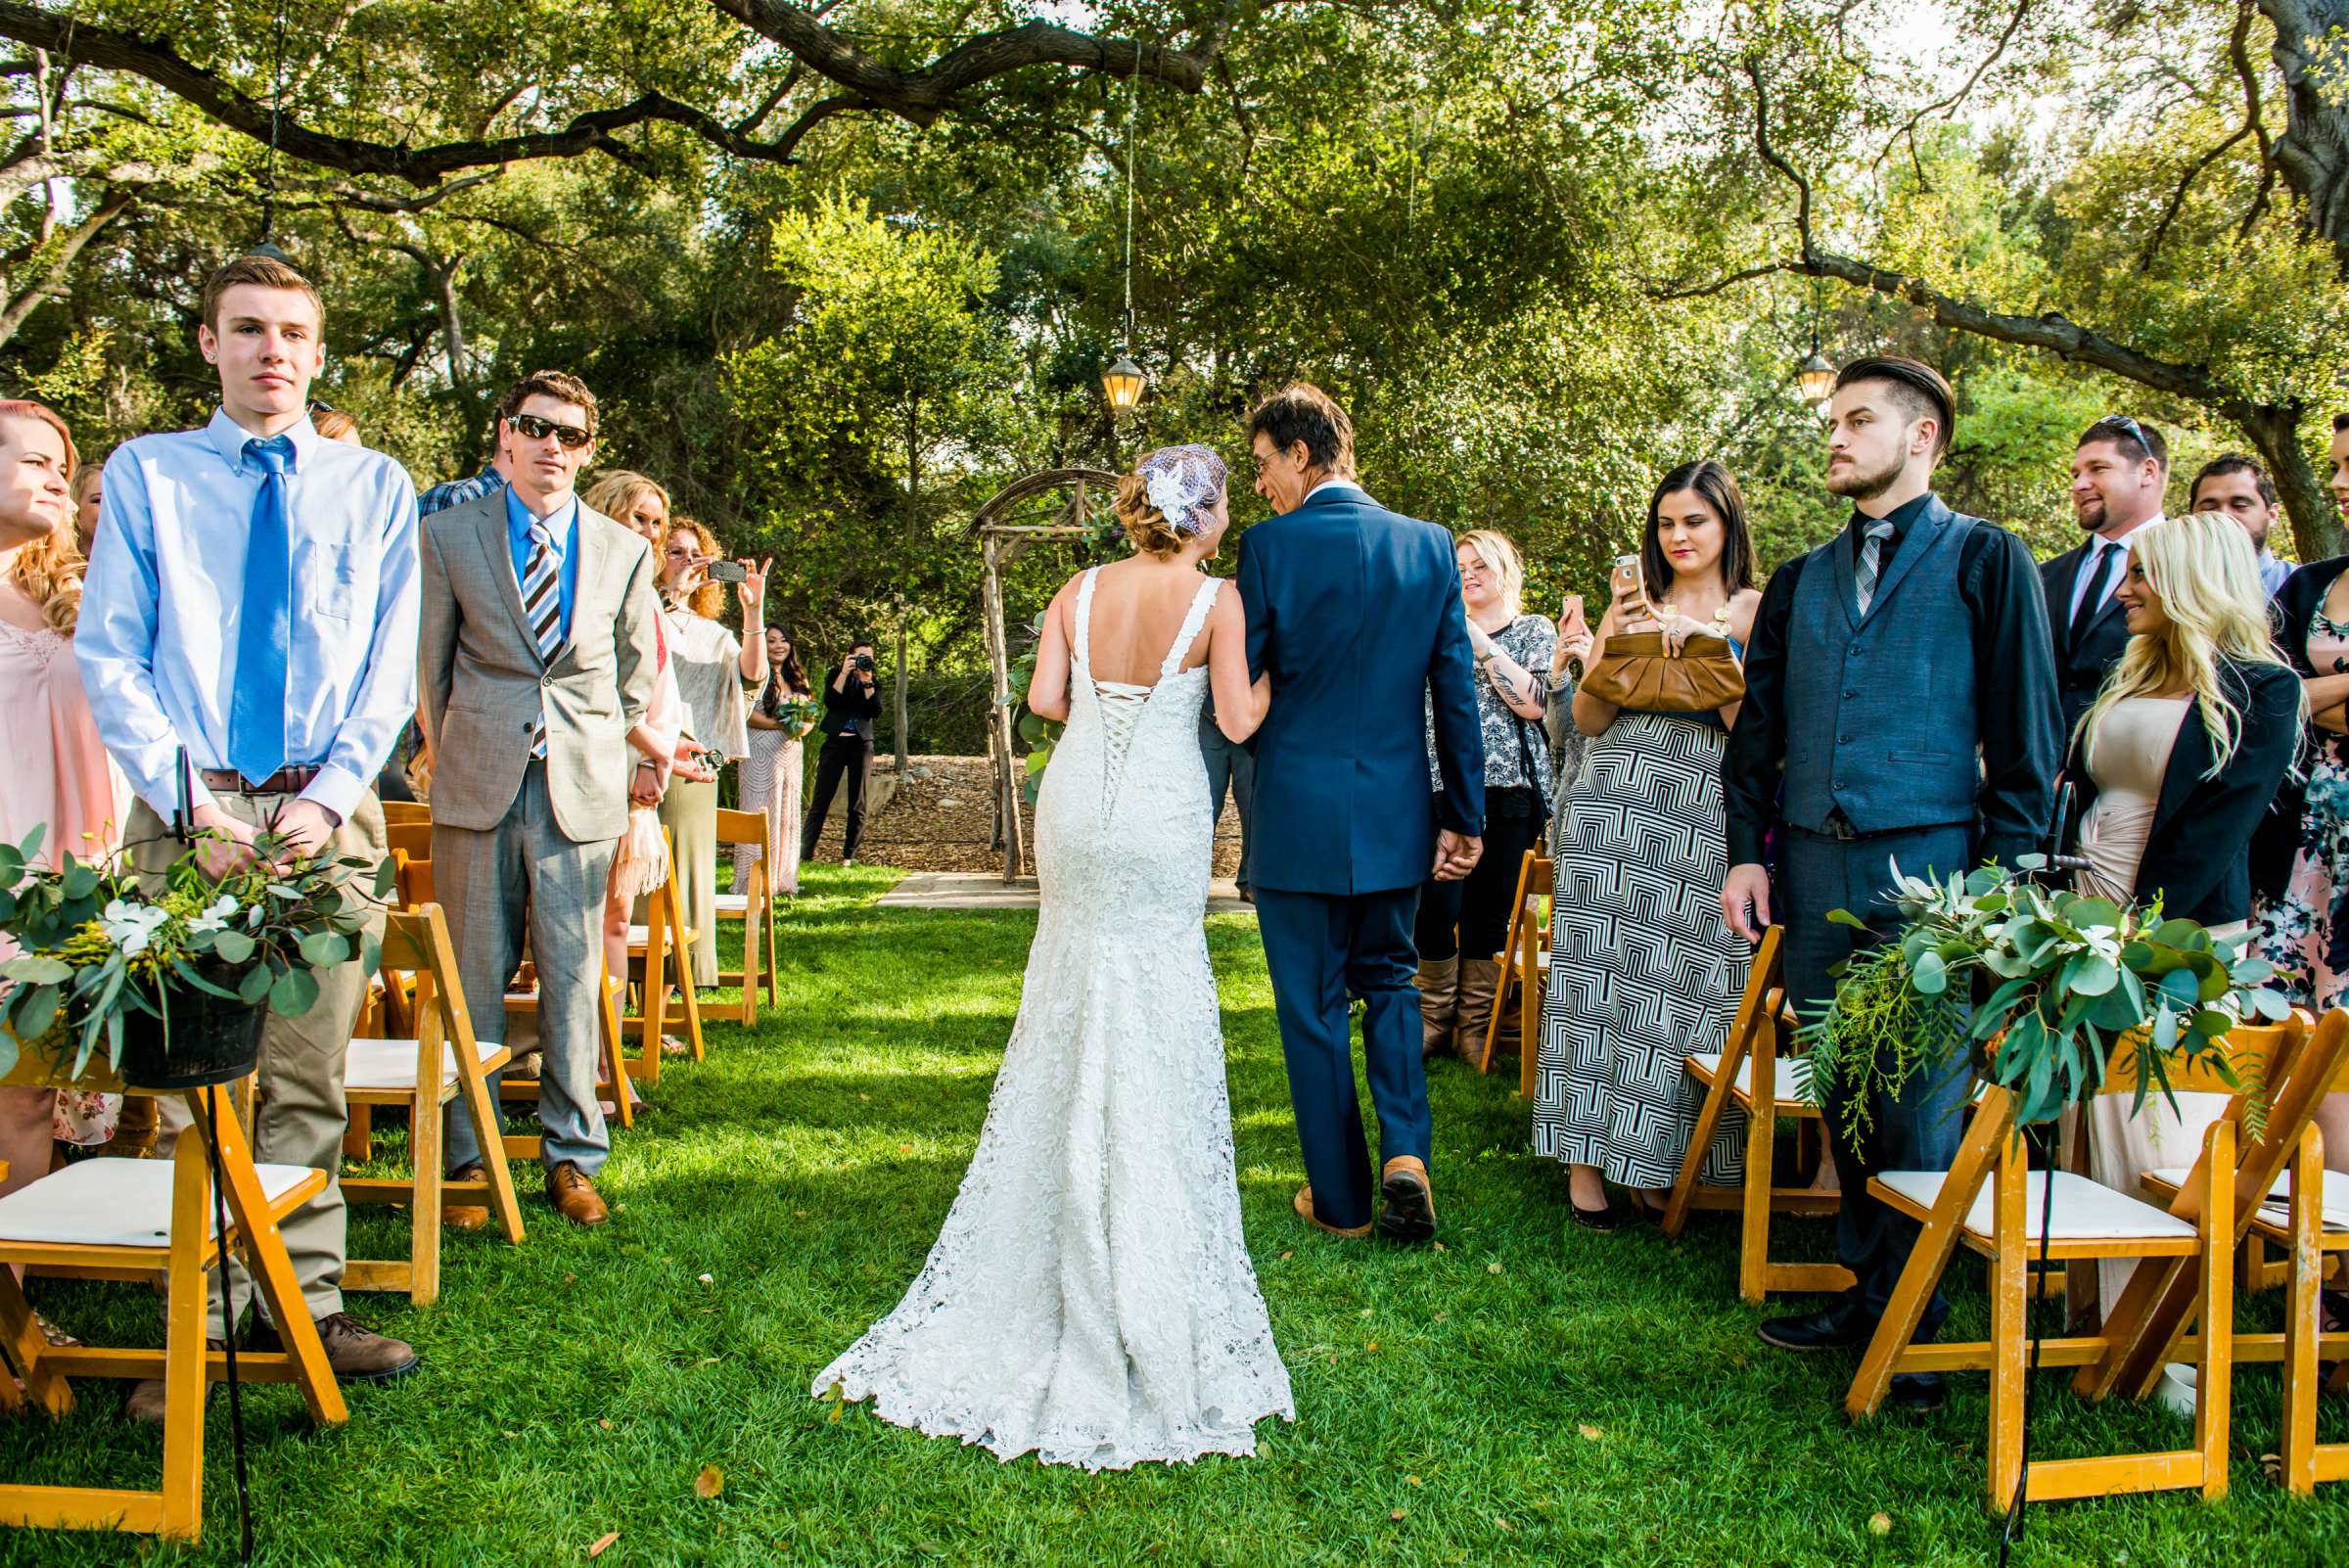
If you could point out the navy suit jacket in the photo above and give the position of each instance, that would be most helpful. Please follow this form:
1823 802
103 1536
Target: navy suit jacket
1354 611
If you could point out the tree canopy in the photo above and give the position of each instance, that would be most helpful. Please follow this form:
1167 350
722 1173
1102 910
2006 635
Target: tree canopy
840 271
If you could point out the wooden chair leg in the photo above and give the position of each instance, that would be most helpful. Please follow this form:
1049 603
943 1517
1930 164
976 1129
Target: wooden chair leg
1700 1138
1761 1161
426 1159
2303 1318
2010 1303
272 1269
615 1059
685 985
358 1135
767 919
481 1109
653 1019
28 1349
2214 1309
186 1376
749 942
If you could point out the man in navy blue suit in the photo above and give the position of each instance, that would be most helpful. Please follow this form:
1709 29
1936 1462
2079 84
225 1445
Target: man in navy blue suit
1354 611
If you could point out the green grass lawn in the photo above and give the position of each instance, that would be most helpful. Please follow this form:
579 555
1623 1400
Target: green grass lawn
1532 1393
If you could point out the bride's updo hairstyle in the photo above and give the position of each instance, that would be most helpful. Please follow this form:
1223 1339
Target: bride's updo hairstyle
1163 504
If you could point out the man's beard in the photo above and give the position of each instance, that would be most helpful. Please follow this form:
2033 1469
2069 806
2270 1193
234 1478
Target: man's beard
1858 485
2092 520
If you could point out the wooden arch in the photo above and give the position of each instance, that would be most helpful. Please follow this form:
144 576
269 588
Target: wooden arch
1054 504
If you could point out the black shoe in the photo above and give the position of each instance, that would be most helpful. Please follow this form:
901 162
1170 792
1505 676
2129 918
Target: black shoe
1917 1393
1600 1219
1836 1328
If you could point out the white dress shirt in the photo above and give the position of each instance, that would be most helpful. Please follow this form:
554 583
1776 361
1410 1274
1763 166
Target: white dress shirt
159 615
2098 551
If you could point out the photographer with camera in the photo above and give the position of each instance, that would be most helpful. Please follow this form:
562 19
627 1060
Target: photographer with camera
851 702
717 673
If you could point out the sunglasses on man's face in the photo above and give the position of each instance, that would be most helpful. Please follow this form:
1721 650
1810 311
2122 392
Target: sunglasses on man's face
531 428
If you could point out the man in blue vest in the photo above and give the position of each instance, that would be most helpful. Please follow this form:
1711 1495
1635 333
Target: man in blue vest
1901 706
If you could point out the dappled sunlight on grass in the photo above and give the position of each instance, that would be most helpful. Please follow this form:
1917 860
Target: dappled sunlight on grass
576 1385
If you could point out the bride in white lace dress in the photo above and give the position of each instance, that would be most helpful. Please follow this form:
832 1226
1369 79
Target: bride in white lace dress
1090 1297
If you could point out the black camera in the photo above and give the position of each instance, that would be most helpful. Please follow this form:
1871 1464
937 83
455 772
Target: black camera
863 662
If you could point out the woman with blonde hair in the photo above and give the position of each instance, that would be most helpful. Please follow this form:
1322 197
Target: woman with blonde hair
1463 923
717 673
2175 762
59 779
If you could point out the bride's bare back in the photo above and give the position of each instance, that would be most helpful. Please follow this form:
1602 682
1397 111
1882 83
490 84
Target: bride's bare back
1138 609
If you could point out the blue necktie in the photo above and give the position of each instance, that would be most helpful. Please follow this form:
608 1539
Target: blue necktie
257 714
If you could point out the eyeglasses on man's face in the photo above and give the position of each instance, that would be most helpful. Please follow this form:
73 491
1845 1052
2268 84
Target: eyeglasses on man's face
531 428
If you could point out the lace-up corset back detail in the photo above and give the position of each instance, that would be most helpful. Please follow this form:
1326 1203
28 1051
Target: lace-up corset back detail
1121 706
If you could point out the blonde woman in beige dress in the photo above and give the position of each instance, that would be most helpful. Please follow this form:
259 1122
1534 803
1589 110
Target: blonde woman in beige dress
2178 759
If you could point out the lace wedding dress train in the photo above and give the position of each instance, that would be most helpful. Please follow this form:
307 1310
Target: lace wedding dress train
1090 1297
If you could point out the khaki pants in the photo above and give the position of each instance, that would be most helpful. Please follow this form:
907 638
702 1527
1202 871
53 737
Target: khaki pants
302 1116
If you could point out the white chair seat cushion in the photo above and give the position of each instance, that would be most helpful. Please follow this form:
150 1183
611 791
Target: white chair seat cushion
2334 1200
390 1064
1792 1073
114 1203
640 935
732 902
2085 1210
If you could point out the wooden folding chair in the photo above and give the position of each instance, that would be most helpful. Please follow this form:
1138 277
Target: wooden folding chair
1751 1054
754 904
397 813
137 1220
652 946
415 889
442 1063
2282 1196
1524 966
1990 1201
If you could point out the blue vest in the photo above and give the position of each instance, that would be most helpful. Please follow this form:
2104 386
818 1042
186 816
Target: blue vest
1881 720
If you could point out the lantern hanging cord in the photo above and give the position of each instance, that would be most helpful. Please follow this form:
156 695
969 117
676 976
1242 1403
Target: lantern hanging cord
1133 110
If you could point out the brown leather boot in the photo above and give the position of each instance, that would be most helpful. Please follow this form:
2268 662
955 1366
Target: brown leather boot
357 1353
1439 1006
465 1215
1480 983
573 1195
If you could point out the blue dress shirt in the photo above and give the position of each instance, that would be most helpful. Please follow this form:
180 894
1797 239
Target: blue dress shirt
158 636
562 524
456 492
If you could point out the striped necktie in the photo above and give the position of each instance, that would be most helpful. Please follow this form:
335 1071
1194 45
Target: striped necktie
1871 557
542 606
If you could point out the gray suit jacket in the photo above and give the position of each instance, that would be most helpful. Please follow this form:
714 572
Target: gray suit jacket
481 685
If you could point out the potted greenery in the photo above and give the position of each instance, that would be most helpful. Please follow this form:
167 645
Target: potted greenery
2055 980
174 974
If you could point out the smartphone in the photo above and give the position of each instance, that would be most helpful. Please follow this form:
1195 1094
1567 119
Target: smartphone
726 571
1570 613
1626 579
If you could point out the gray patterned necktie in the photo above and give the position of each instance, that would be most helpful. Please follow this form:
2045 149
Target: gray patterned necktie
542 605
1871 557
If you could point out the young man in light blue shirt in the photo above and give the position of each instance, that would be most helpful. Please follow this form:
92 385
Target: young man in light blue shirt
252 600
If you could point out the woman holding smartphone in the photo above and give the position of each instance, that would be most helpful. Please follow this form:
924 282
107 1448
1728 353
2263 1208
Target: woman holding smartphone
1641 968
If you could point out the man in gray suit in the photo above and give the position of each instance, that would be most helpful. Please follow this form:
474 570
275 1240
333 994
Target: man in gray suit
538 657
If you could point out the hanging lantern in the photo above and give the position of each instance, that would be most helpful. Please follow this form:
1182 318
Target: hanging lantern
1121 383
1814 379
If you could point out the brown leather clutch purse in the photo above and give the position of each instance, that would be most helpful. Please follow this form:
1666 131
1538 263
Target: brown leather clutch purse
1638 673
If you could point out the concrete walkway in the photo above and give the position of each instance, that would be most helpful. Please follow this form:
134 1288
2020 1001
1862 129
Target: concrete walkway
987 890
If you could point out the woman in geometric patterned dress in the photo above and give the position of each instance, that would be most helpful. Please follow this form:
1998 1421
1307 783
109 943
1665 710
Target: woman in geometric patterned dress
1641 969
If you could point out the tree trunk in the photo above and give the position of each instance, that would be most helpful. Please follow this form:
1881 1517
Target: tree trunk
2313 153
2316 531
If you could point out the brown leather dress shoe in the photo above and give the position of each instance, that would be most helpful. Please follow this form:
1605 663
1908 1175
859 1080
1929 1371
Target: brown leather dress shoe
465 1215
573 1195
145 1402
1409 1215
1305 1208
357 1353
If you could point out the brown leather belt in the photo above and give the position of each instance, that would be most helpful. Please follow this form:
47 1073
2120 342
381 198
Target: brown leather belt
285 781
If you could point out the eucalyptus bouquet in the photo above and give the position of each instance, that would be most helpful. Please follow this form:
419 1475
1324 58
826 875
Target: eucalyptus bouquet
95 948
1041 733
2053 982
798 714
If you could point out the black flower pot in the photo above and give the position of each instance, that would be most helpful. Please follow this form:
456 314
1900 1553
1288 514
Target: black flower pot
210 1039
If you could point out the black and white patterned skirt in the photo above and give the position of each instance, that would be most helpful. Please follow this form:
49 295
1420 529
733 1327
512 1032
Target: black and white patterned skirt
1642 971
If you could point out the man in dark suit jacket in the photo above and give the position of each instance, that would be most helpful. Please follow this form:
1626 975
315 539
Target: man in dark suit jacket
2119 474
1356 614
